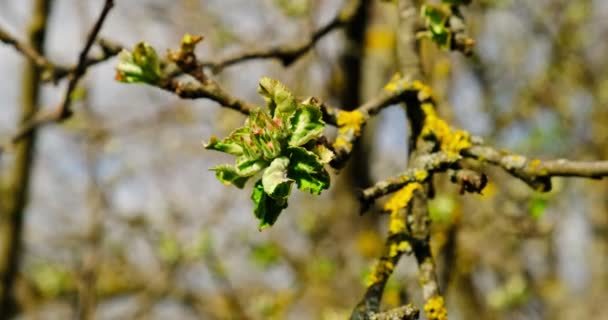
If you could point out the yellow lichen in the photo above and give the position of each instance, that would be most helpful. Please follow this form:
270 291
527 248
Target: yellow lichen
354 120
342 143
398 248
396 225
395 83
451 141
399 200
435 309
424 92
382 270
421 175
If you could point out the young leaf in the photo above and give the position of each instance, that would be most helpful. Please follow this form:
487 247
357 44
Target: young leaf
247 167
229 176
307 124
280 101
228 145
275 181
140 66
266 208
308 172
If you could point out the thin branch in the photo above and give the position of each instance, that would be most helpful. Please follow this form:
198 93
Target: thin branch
288 53
81 68
52 72
63 111
407 312
24 48
391 254
537 173
431 163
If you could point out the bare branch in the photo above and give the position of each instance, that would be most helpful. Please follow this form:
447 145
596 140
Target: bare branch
63 111
24 48
431 163
537 173
288 53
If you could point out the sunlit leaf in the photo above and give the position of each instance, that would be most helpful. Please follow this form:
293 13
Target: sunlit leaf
275 181
307 124
308 172
140 66
228 175
266 208
280 101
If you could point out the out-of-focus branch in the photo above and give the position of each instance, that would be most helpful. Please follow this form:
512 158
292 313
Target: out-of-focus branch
26 49
63 110
54 72
407 312
288 53
537 173
15 194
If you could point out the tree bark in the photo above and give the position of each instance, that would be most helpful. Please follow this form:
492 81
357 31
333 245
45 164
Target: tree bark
15 193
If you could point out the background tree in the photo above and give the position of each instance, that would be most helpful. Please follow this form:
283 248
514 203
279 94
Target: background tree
112 214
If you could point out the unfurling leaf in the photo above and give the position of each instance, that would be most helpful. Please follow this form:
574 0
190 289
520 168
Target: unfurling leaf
307 123
228 175
284 144
266 208
140 66
280 101
308 172
275 181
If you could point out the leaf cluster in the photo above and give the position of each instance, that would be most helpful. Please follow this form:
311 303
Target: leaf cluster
280 142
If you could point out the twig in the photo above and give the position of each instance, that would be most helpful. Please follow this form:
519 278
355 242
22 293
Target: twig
407 312
52 72
290 52
63 111
27 50
431 163
537 173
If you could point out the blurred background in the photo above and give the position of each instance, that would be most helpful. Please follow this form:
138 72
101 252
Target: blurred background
124 221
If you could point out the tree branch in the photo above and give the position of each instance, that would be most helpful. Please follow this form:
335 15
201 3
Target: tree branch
63 110
288 53
15 197
537 173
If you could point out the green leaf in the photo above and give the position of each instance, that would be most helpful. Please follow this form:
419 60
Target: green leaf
228 145
307 124
228 175
140 66
537 207
266 208
275 181
307 170
437 19
265 255
280 101
247 167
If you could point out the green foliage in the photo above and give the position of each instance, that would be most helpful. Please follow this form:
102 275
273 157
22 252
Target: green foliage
140 66
265 255
441 208
283 142
437 21
537 207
